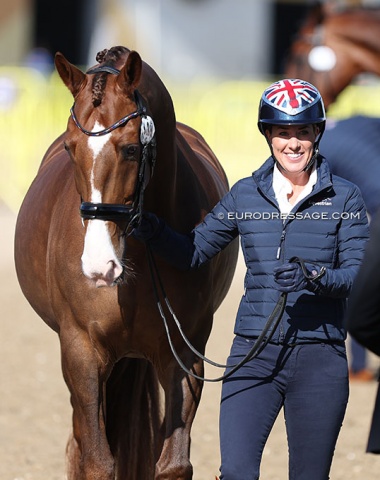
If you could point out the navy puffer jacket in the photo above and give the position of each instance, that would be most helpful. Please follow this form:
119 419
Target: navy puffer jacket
328 228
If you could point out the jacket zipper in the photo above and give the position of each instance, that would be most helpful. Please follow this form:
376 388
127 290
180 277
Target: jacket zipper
282 238
281 334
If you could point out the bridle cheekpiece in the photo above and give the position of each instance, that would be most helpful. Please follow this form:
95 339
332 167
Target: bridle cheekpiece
114 211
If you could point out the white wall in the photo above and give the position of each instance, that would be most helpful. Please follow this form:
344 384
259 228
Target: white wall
187 39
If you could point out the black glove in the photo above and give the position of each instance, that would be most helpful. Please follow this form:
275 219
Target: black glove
289 277
298 275
149 228
175 248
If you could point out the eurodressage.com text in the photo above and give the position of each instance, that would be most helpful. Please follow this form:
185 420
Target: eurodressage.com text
290 216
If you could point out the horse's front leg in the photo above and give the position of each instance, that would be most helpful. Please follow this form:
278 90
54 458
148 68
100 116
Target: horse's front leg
88 453
182 397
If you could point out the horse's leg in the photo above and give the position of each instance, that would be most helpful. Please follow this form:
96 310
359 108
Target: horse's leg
88 453
134 418
182 396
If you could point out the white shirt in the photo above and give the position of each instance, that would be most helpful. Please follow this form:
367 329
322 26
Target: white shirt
282 188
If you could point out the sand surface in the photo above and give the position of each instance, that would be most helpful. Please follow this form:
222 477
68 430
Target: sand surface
35 413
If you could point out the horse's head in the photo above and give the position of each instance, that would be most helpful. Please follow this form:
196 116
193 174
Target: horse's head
310 58
111 141
333 47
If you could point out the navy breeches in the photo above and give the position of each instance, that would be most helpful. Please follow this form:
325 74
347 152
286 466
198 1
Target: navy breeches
310 381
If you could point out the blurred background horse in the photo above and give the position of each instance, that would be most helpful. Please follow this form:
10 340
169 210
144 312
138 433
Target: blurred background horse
333 47
122 151
330 50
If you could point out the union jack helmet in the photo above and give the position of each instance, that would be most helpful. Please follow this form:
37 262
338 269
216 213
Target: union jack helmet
291 102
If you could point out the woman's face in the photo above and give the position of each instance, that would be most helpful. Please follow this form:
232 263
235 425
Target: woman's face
292 145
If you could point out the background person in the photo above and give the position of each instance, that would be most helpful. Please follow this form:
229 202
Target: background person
359 369
363 316
343 143
290 207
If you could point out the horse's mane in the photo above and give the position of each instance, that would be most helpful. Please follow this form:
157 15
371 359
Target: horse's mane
107 58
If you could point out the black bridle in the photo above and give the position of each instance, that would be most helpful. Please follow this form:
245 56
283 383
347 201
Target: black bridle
114 211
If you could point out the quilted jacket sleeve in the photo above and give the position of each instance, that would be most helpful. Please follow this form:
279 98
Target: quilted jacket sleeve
190 251
351 240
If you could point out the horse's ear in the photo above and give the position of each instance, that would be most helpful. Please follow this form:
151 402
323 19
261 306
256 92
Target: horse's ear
71 76
130 74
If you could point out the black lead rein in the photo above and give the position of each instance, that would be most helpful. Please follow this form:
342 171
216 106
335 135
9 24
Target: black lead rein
257 347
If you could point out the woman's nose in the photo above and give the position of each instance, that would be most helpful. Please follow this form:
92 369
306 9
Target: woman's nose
294 143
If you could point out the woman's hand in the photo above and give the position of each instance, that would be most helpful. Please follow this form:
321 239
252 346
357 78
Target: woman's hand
289 277
149 227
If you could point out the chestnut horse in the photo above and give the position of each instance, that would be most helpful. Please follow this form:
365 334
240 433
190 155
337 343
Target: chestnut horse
122 151
331 49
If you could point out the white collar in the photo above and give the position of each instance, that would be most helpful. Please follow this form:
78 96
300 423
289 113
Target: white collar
282 188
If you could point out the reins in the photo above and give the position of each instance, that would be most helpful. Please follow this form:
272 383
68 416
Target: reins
260 343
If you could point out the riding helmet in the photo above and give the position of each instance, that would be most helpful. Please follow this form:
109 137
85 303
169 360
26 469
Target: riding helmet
291 102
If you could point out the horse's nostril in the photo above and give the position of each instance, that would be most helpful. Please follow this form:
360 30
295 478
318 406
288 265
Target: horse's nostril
120 279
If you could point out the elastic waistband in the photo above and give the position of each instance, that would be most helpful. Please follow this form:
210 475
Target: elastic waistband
311 342
298 342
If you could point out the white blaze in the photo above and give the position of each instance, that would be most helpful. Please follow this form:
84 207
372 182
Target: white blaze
99 260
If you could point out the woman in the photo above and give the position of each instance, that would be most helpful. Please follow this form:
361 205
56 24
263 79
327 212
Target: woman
290 207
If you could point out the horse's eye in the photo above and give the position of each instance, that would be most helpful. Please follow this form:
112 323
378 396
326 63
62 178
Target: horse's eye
130 151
